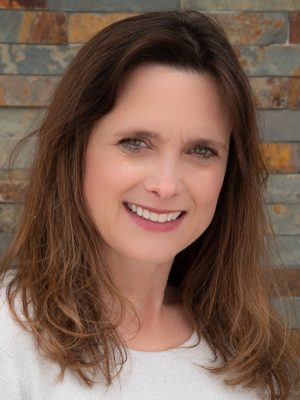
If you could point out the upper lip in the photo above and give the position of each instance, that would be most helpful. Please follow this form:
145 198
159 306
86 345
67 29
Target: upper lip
156 210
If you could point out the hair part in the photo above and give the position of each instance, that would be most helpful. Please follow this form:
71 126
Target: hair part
222 277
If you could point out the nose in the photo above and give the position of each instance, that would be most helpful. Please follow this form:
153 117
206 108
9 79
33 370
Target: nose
163 179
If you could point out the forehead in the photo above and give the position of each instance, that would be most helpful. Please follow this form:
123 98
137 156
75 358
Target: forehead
168 102
168 83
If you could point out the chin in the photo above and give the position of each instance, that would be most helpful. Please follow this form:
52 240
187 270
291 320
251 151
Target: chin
151 258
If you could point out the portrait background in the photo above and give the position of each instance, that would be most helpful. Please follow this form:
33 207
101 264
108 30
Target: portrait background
38 39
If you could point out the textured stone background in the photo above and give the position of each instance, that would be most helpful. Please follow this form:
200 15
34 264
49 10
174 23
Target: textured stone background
38 38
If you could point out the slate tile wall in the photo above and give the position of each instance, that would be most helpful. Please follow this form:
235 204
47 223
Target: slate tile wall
38 39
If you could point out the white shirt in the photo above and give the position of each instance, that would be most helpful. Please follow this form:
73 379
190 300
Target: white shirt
162 375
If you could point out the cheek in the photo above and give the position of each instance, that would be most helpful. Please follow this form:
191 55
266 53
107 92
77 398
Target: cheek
205 196
208 189
96 184
106 180
99 176
100 193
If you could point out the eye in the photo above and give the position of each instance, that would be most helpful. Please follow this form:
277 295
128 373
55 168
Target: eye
133 145
204 152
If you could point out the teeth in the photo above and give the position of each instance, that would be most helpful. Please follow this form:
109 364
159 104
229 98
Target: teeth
162 217
169 217
152 216
146 214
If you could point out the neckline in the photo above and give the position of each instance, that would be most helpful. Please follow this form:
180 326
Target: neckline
192 340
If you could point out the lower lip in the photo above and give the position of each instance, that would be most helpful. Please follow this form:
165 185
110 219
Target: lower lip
154 226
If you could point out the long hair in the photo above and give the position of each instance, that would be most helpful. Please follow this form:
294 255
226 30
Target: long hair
61 277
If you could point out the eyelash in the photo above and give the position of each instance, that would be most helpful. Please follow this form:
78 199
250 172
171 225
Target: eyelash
132 145
127 144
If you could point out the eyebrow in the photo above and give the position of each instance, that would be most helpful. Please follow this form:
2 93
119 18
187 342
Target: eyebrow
145 134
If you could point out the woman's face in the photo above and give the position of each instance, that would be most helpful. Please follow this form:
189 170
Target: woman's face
160 154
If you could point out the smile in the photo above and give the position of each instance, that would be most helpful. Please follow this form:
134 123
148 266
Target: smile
153 216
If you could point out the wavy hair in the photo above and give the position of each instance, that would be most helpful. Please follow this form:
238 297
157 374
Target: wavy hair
61 277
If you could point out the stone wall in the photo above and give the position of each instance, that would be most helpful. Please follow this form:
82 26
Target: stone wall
38 38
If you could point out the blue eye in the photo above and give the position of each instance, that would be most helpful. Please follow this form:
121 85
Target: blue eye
204 152
133 145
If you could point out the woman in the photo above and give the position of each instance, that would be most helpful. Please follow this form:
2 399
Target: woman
140 259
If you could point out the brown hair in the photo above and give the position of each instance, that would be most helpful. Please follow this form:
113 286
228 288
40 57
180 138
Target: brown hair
222 276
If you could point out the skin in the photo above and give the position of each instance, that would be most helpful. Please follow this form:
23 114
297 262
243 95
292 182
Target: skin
181 167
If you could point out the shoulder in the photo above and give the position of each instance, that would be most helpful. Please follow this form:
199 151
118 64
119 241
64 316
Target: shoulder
13 348
21 364
11 331
9 328
15 341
